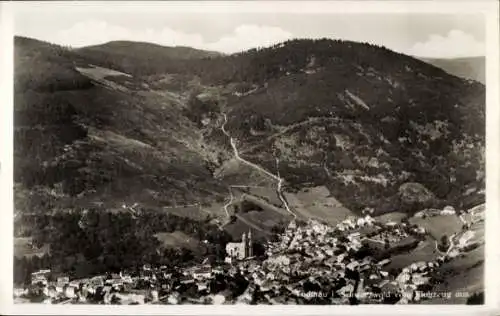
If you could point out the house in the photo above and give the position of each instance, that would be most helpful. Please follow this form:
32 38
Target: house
360 222
420 214
369 220
403 277
107 297
154 295
51 291
186 280
69 292
341 257
40 277
202 286
20 292
97 281
59 288
202 273
217 270
106 289
384 262
352 265
349 223
418 279
448 210
421 266
279 260
388 287
453 253
35 279
63 280
347 290
354 235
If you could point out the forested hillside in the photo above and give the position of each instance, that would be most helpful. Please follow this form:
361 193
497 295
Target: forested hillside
105 127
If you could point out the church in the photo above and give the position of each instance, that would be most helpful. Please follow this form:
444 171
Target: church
240 250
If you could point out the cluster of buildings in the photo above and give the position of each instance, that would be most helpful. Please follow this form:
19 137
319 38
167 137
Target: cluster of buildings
311 263
51 289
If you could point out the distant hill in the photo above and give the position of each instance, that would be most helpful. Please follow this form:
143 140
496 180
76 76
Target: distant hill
136 49
468 67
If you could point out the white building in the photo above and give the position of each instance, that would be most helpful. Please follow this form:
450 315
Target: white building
69 292
448 210
240 250
203 272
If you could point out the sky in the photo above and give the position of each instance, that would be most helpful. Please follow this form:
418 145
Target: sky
418 34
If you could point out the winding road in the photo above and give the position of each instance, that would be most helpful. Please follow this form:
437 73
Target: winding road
450 248
259 168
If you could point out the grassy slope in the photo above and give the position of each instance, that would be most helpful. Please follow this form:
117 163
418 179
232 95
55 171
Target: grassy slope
178 239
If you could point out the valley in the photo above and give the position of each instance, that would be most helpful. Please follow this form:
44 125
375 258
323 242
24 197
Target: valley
167 158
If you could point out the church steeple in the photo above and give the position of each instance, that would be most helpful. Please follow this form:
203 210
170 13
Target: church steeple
243 246
250 244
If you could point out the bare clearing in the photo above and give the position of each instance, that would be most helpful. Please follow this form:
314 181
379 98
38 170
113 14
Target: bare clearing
23 248
177 239
391 217
439 225
97 73
425 251
317 203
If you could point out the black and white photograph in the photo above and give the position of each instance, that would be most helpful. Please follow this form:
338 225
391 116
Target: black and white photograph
194 153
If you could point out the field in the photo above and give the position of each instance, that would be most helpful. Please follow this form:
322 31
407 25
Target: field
260 222
98 73
469 281
243 224
425 251
390 217
464 273
191 212
267 193
439 225
267 206
178 239
22 248
478 229
317 203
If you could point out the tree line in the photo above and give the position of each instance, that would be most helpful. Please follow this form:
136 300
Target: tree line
96 241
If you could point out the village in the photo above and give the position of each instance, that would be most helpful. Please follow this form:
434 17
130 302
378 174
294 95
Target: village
310 263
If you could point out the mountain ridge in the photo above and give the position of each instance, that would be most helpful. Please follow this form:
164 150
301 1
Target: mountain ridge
176 52
370 126
473 68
